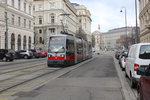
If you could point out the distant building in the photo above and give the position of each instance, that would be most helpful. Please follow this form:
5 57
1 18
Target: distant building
144 17
19 17
110 38
99 44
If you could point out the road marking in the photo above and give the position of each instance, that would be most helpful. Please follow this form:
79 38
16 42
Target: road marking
3 98
7 94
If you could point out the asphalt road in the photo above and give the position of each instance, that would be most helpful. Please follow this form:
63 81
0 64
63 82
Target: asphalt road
95 80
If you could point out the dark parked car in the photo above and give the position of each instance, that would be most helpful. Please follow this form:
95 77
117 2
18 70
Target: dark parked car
5 55
144 83
117 54
36 53
24 54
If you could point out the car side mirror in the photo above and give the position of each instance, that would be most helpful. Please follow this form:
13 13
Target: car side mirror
141 71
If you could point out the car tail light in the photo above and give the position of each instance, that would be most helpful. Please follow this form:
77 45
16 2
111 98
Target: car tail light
136 66
124 59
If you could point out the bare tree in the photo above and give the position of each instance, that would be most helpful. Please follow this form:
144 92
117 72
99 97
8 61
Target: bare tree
124 40
81 34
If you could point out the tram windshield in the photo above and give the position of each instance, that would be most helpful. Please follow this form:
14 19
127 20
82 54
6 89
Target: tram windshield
57 45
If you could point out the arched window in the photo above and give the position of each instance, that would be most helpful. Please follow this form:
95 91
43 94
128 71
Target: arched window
52 18
19 42
12 41
29 44
40 39
24 42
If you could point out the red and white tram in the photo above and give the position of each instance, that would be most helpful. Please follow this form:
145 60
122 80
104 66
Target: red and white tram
65 50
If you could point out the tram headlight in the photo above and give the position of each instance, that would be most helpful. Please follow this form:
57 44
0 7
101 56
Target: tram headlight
49 55
62 55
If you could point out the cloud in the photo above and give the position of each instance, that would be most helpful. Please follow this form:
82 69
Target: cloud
107 13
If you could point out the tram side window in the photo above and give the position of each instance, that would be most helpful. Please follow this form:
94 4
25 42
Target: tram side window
79 48
70 47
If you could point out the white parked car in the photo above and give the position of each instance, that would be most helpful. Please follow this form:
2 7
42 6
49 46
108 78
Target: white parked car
138 56
122 59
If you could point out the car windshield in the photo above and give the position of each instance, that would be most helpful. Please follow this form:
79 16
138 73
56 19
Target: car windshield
145 52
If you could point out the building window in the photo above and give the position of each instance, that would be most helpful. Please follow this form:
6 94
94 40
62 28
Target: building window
19 4
24 7
40 20
40 31
13 41
24 42
52 18
40 7
13 19
13 3
19 21
33 8
24 23
52 30
29 9
40 39
29 44
80 20
19 42
29 24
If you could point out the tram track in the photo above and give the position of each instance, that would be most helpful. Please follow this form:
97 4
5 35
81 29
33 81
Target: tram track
24 78
9 70
19 62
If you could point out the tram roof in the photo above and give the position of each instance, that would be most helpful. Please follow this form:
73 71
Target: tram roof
60 35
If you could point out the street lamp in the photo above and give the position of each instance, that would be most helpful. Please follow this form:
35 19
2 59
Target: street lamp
137 40
125 23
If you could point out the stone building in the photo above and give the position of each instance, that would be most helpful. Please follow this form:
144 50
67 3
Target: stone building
84 17
110 38
99 43
53 17
144 16
17 16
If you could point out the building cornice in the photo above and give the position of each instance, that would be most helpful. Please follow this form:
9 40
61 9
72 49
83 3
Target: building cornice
70 6
144 32
18 12
146 8
85 16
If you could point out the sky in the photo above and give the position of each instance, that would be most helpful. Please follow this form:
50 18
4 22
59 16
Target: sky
107 13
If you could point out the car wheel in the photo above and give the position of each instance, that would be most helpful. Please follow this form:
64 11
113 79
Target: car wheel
132 83
123 69
11 60
4 59
25 56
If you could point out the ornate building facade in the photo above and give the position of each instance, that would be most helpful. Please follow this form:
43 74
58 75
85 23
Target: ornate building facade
16 23
144 16
84 17
53 17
